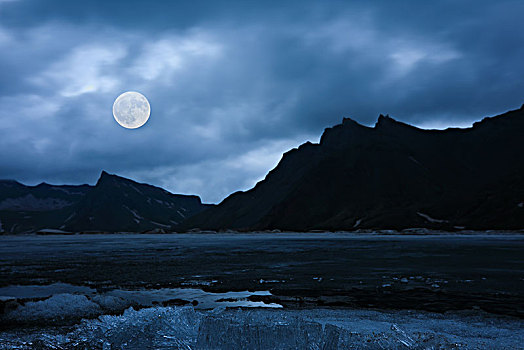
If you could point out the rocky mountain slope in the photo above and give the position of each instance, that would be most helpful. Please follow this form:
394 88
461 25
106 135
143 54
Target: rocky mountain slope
390 176
120 204
113 204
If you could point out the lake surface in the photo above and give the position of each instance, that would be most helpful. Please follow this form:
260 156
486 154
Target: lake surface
492 263
56 281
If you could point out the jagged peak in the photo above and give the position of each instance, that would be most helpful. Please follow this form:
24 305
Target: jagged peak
349 131
350 123
105 174
306 144
105 177
346 121
385 121
111 181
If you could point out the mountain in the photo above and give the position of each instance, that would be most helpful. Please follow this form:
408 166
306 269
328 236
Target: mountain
390 176
113 204
120 204
25 208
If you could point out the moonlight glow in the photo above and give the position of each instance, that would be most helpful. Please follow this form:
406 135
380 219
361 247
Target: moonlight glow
131 110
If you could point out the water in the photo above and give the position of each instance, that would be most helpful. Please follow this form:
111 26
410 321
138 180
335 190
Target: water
141 297
226 291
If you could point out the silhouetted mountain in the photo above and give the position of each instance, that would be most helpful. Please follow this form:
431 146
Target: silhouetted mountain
120 204
25 208
113 204
41 197
390 176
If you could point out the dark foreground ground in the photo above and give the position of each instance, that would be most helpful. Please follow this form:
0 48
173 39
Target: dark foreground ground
433 273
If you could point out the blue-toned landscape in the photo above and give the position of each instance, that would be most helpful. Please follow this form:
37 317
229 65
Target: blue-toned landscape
235 175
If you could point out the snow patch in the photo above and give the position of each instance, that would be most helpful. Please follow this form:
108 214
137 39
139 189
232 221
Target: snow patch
414 160
357 223
136 189
521 205
70 217
51 231
159 224
179 213
135 214
430 219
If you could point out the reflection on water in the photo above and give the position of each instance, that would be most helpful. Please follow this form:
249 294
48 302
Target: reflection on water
141 297
206 300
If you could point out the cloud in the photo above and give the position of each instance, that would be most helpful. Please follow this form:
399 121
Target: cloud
217 178
163 57
233 85
406 56
5 39
86 69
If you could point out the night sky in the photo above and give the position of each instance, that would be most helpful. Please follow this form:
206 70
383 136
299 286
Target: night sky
234 84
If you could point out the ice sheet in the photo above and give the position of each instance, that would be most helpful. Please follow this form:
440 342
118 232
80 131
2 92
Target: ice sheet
187 328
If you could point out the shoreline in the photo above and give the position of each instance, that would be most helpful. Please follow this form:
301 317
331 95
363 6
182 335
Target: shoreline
360 233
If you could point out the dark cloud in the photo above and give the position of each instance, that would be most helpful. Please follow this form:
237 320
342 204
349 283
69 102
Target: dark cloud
234 84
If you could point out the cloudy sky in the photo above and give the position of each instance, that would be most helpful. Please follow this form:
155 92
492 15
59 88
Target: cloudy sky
234 84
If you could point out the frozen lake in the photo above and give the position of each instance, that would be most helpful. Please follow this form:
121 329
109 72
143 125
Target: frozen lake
244 329
379 291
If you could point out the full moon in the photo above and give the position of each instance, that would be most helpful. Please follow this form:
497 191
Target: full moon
131 110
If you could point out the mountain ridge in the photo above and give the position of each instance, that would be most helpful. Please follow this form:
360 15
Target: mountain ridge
113 204
390 176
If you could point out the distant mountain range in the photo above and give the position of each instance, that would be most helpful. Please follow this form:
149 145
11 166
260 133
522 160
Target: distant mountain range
114 204
390 176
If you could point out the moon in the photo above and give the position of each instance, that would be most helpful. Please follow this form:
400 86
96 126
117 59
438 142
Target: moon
131 110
